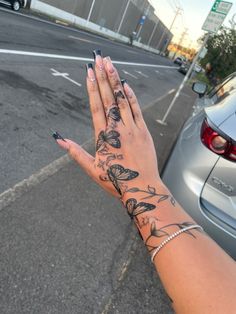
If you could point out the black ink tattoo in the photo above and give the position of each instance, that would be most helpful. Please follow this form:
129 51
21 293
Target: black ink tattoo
114 114
110 137
159 233
109 158
151 191
117 173
118 95
134 208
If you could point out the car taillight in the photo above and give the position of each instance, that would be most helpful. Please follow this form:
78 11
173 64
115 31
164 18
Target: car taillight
217 143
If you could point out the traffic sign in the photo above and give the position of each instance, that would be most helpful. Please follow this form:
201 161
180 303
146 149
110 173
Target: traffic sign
216 16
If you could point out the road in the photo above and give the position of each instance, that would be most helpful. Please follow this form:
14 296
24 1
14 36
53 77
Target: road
57 259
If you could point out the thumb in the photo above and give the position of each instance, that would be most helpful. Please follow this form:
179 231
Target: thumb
83 158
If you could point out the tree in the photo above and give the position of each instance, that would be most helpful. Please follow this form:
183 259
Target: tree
221 52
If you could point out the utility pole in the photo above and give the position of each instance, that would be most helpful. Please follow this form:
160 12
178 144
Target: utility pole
122 19
177 12
90 11
145 14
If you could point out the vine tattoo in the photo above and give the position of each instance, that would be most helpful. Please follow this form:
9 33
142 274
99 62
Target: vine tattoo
151 191
162 232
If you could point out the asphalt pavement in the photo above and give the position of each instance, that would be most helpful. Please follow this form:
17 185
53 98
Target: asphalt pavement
66 246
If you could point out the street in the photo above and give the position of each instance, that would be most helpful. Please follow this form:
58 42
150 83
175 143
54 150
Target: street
66 246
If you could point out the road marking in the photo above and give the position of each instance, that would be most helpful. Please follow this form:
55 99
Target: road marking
19 189
54 56
82 39
142 74
66 76
127 73
24 186
171 91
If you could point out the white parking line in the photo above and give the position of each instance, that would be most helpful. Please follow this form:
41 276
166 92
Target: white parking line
82 39
66 76
54 56
127 73
142 74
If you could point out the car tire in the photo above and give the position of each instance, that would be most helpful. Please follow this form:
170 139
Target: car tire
16 5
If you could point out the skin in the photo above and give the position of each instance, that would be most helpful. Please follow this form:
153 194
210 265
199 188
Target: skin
198 275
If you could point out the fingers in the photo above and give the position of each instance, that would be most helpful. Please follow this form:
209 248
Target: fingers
134 105
117 88
96 105
106 92
83 158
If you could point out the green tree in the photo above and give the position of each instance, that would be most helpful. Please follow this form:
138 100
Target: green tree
221 52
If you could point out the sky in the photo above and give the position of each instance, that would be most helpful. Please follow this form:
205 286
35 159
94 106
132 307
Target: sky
193 16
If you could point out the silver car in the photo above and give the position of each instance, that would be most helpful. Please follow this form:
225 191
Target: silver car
201 170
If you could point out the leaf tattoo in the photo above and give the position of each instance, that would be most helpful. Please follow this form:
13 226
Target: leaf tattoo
114 114
134 208
110 137
117 173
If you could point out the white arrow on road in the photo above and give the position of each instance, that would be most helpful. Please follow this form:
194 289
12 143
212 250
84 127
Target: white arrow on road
141 73
66 76
130 74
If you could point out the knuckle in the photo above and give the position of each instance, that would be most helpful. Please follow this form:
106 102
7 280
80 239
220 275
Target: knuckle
95 109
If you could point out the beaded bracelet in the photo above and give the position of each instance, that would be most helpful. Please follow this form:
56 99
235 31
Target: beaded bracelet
172 237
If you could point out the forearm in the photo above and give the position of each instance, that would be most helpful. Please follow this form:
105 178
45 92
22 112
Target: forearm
189 265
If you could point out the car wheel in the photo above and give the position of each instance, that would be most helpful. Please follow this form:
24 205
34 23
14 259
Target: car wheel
16 5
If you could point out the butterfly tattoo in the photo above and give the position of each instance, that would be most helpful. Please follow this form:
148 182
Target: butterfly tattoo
134 208
110 137
117 173
114 114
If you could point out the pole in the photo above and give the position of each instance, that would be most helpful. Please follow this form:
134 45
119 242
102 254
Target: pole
91 10
141 26
122 19
163 121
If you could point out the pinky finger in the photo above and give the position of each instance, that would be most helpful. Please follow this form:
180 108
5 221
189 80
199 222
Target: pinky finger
81 156
134 105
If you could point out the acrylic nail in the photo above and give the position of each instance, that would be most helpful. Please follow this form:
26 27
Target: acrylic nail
90 72
97 52
57 136
123 81
88 66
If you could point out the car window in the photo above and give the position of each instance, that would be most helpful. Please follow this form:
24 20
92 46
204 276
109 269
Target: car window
223 90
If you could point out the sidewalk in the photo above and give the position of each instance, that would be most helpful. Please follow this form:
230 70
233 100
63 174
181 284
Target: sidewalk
68 247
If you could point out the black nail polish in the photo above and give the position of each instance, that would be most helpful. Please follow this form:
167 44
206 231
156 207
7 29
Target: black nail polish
88 66
57 136
97 52
123 81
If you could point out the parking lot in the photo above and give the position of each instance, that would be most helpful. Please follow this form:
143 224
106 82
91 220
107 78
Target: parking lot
56 225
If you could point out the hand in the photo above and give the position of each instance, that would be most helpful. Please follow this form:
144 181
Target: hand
125 154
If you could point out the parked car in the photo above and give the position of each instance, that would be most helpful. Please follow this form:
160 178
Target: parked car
13 4
201 170
179 60
184 67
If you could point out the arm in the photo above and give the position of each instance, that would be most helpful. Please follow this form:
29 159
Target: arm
198 276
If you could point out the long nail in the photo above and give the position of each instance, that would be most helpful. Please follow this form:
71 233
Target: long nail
97 52
90 72
123 81
57 136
